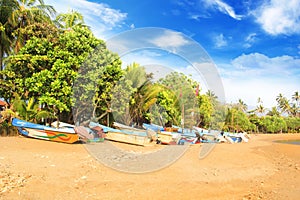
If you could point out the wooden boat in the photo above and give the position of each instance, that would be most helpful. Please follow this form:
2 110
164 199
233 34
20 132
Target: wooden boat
125 136
166 137
90 135
125 127
32 130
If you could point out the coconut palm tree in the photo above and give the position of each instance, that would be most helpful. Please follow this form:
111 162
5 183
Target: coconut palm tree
241 105
69 20
6 9
260 109
283 104
296 96
273 112
29 12
29 110
144 98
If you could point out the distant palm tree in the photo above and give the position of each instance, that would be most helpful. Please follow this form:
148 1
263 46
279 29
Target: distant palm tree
296 96
273 112
70 19
211 95
241 105
284 104
260 109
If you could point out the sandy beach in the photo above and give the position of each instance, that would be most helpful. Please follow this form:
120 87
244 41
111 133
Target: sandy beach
261 169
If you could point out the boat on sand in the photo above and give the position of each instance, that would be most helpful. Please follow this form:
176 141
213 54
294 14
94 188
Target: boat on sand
32 130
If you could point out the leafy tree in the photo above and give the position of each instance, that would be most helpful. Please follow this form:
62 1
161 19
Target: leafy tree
97 77
46 69
170 106
293 124
206 110
237 120
273 124
184 89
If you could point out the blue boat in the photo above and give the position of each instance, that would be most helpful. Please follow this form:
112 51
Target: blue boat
32 130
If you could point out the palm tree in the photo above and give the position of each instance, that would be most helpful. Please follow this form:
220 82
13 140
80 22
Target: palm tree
260 109
296 96
283 104
273 112
29 12
211 95
29 110
70 19
144 98
6 9
241 105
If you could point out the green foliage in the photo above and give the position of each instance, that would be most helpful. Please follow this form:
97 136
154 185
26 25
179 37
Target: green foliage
93 87
236 120
205 111
46 70
171 108
273 124
184 88
69 20
28 110
293 124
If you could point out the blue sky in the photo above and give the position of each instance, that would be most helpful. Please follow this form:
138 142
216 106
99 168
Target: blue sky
254 44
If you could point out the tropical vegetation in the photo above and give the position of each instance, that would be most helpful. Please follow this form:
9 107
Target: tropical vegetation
54 68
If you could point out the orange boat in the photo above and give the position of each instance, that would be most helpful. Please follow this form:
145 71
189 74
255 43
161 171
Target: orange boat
28 129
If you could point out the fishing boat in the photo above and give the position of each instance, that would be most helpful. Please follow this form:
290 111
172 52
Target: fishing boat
32 130
125 136
164 135
125 127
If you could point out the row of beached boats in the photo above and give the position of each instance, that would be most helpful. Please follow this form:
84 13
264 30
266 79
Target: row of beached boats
150 134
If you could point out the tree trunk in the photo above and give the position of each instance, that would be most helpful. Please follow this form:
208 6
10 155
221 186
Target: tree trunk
1 61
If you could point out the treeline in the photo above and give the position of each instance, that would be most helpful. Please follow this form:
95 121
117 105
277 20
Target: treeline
58 70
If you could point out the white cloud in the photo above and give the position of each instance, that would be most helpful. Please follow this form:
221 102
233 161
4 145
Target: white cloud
220 41
99 16
260 64
170 39
279 17
132 26
250 89
250 39
256 75
222 7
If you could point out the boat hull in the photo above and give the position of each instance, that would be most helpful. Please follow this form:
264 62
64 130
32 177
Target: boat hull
128 138
45 133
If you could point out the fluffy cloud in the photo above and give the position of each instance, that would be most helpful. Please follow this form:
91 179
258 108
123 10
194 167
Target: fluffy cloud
170 39
256 75
279 16
220 41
